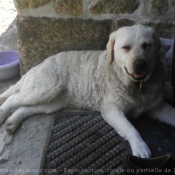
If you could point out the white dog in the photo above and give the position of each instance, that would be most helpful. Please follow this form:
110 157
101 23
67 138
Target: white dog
123 81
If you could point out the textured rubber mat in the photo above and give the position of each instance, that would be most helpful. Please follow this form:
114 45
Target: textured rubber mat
83 143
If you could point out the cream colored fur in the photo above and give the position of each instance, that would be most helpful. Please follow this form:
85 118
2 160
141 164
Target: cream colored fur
96 80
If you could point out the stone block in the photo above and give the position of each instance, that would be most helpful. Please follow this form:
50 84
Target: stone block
164 29
113 7
70 7
121 23
39 38
158 7
21 4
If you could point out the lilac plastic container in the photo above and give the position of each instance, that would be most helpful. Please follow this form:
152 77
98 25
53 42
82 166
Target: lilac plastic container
9 64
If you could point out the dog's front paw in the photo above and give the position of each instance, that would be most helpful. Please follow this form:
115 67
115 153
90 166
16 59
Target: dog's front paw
10 126
141 150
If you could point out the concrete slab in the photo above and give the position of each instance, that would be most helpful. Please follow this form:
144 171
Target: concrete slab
24 150
21 153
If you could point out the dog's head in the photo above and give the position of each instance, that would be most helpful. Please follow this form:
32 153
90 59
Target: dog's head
135 50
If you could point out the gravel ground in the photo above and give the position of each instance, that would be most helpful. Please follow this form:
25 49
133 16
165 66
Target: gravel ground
8 31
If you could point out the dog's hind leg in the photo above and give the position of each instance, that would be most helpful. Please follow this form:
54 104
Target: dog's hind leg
16 101
26 111
12 90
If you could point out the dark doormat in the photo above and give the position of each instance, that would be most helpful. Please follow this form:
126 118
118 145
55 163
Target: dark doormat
83 143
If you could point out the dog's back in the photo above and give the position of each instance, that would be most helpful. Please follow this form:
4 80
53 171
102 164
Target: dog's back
85 79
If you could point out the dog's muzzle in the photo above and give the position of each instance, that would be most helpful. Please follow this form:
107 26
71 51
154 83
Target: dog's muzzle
136 76
139 67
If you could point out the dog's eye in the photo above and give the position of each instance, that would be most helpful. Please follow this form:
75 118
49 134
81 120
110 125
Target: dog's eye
146 45
127 48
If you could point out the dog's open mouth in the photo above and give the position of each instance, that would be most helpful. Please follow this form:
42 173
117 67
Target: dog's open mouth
137 76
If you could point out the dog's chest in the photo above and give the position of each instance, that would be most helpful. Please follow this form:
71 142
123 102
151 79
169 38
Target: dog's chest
142 102
135 110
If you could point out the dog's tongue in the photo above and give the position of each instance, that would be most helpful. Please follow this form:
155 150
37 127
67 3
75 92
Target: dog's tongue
139 75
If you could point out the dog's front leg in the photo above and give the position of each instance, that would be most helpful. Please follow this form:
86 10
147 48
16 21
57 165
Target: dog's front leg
164 113
116 118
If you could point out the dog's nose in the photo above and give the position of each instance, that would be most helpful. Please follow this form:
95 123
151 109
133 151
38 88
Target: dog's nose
140 66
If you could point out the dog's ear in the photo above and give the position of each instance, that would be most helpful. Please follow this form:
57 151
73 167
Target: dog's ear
110 46
157 42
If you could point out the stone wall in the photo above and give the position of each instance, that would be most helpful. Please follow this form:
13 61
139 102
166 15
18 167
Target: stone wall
46 27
